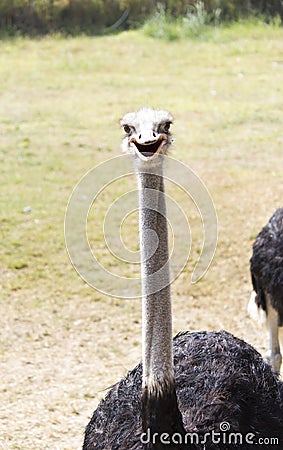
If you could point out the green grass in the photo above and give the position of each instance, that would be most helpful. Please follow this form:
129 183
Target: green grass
197 23
61 100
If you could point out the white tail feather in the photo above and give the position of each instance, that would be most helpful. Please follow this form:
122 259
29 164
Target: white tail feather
255 312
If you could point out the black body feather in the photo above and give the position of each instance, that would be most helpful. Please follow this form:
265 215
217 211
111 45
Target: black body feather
219 379
267 264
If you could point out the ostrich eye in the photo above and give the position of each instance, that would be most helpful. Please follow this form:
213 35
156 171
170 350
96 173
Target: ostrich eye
166 126
127 129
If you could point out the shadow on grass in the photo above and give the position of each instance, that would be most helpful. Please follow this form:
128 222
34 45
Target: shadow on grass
7 33
35 29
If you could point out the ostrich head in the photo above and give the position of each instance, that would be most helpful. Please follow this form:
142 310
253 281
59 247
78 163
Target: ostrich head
147 133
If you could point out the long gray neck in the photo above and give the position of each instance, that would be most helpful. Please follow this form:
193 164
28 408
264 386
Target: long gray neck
157 317
160 412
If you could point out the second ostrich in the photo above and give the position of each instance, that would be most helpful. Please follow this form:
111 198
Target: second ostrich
183 392
267 278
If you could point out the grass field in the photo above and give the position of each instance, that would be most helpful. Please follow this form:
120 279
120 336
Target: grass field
62 343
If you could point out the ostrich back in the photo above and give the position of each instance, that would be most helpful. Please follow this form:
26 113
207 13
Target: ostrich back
219 378
267 264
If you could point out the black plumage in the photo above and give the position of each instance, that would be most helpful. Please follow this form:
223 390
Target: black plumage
266 264
219 379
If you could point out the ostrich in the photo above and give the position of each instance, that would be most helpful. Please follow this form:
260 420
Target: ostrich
182 393
267 278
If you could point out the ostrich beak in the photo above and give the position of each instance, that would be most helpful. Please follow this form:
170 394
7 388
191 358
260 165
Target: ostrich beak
150 149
